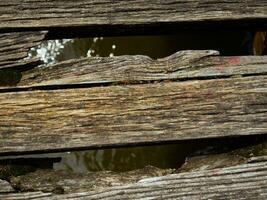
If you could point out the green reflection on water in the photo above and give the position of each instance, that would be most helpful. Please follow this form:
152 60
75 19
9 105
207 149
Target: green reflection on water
164 156
123 159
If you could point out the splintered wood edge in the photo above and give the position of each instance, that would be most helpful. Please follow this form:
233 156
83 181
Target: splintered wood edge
5 187
183 65
14 49
242 181
109 17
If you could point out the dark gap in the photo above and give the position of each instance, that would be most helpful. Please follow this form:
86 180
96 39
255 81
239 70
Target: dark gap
145 29
125 158
228 43
90 85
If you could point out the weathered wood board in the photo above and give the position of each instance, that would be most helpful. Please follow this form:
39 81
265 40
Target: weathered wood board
132 114
60 182
201 64
119 16
66 182
14 49
5 187
246 181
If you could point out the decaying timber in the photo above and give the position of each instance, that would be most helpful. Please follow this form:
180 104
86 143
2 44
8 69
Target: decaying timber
126 69
246 181
14 49
67 182
5 187
109 17
132 114
20 166
248 154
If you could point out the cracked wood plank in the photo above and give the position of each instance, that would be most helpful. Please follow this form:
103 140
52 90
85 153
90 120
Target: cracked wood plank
14 49
245 181
83 118
63 182
107 16
190 64
60 182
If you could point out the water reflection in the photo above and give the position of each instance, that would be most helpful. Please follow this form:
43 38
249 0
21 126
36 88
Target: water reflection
124 159
228 43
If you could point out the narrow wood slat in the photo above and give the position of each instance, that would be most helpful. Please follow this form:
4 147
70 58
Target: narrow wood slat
24 195
5 186
126 69
246 181
100 14
14 49
132 114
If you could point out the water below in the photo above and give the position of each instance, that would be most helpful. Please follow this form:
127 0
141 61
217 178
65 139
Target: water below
163 156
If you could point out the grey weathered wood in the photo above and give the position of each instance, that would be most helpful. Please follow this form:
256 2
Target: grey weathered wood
24 196
97 15
247 181
239 182
181 65
5 186
132 114
14 48
249 154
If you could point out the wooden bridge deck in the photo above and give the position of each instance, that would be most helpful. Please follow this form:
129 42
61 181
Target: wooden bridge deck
132 100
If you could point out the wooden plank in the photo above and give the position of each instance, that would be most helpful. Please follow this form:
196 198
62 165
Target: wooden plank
124 16
131 114
126 69
70 182
60 182
24 195
240 182
5 186
14 49
246 181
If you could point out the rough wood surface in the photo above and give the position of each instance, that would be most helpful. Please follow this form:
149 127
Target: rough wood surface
247 181
248 154
100 14
14 48
68 182
5 186
181 65
24 196
132 114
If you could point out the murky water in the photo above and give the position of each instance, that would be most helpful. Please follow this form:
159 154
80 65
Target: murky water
122 159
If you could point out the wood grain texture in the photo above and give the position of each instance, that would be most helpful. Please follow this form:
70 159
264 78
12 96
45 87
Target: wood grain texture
122 69
60 182
14 49
24 196
246 181
132 114
5 186
25 14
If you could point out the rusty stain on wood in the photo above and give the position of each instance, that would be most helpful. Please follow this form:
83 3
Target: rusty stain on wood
129 69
